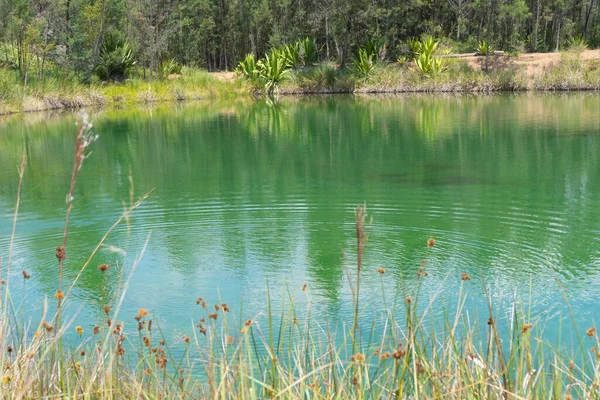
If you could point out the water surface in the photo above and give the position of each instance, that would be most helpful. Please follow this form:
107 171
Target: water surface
250 193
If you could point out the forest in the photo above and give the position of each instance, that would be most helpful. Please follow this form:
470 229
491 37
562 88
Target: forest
73 38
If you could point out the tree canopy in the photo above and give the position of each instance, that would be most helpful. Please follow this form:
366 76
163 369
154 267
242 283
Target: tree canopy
69 35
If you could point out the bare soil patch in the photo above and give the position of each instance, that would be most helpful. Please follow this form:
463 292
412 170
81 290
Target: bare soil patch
533 64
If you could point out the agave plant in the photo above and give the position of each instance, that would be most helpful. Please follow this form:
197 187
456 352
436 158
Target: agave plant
116 58
169 67
425 61
308 51
577 44
484 48
273 69
364 63
430 66
248 68
291 53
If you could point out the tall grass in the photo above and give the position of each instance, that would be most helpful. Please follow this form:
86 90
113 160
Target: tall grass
421 350
571 73
69 93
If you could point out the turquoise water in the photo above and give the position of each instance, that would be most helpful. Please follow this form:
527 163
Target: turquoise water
248 193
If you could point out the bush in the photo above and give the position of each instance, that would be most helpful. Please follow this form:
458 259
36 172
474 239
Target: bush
308 52
169 67
425 61
273 69
364 63
484 48
116 58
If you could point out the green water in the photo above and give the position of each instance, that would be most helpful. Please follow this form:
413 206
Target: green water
245 193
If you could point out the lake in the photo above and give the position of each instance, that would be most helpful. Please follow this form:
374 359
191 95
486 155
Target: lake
250 194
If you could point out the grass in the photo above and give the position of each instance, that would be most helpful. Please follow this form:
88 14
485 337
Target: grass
403 78
66 93
294 354
571 73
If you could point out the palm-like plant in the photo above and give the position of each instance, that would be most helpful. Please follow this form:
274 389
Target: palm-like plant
116 58
429 66
425 61
273 69
308 51
169 67
291 53
577 44
484 48
248 67
364 63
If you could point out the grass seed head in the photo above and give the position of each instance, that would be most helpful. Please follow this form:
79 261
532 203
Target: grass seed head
591 332
61 254
526 327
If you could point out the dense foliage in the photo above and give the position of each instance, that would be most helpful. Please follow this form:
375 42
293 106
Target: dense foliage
67 36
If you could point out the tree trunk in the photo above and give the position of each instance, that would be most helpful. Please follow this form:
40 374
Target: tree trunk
536 27
588 12
558 35
346 40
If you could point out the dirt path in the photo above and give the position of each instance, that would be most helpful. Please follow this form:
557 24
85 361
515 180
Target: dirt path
225 76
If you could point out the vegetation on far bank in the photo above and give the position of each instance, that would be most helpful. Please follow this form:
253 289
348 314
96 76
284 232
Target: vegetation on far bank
572 72
58 93
68 54
429 68
417 352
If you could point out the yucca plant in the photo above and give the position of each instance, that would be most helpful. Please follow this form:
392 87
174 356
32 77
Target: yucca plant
577 43
248 68
291 53
429 66
308 51
364 63
169 67
116 58
484 48
415 45
273 69
425 61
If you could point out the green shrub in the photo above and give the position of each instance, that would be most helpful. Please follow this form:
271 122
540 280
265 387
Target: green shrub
169 67
115 58
423 52
577 44
309 51
364 62
273 69
291 54
248 68
484 48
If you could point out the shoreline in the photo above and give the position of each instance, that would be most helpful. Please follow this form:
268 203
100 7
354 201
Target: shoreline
534 73
66 107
